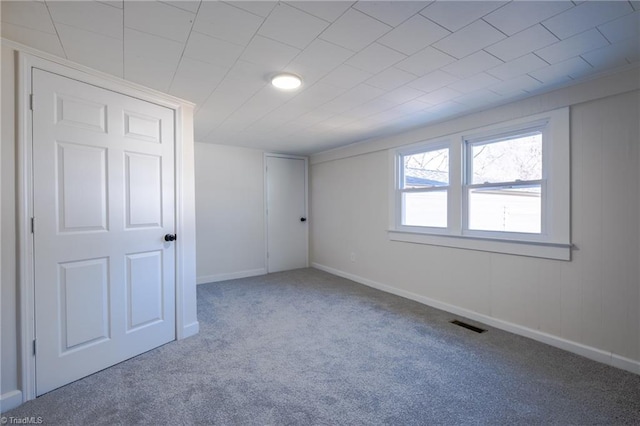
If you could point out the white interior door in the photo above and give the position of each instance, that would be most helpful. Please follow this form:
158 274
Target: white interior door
287 230
103 186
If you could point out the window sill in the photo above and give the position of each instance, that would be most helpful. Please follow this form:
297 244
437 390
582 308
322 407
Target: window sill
519 248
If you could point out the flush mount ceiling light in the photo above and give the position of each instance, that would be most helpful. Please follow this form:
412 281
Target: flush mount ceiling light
286 81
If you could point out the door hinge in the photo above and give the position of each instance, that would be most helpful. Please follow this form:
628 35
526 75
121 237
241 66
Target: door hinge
31 101
33 225
34 346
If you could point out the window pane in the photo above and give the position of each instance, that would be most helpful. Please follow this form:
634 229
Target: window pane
425 209
517 158
506 209
426 169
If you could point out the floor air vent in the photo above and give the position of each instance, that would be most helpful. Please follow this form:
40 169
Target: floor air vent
468 326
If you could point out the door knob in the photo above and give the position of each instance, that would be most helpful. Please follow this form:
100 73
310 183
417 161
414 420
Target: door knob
170 237
303 219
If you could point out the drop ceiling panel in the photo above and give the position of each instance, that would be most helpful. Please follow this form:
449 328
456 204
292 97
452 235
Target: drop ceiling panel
391 13
368 68
40 40
213 50
470 39
95 50
519 44
572 46
158 19
354 30
29 14
454 15
517 16
226 22
327 10
584 16
292 26
375 58
413 35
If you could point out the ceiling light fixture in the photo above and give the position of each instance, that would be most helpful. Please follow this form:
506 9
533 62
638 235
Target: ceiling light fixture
286 81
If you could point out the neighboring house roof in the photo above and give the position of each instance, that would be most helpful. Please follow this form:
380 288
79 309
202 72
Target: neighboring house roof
422 177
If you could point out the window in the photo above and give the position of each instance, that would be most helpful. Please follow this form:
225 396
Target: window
424 188
502 188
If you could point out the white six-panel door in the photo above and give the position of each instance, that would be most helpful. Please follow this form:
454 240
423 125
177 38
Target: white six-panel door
287 230
103 185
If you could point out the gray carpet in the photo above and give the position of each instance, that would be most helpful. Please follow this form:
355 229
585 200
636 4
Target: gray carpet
307 348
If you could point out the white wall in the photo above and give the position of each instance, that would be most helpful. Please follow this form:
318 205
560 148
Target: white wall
229 212
589 305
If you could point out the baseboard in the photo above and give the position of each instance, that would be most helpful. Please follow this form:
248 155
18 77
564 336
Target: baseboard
10 400
190 330
230 276
595 354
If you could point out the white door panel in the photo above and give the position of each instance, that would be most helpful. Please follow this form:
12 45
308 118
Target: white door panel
287 230
103 166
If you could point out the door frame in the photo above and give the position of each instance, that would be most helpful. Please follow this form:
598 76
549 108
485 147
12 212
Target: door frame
185 270
266 203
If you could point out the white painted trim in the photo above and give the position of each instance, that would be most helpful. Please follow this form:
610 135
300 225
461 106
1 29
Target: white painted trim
186 320
266 202
10 400
595 354
205 279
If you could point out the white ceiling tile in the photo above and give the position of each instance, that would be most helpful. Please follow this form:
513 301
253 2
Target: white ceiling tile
148 71
29 14
143 45
195 80
477 82
372 107
271 54
433 81
521 43
614 55
425 61
454 15
469 39
622 28
188 5
261 7
472 64
113 3
346 76
226 22
292 26
391 12
212 50
572 46
92 49
556 73
158 19
319 58
517 67
413 35
38 39
391 78
585 16
88 15
524 83
479 98
316 95
439 96
353 98
518 15
374 58
342 32
402 94
327 10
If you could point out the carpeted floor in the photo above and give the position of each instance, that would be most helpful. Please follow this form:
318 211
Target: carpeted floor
305 347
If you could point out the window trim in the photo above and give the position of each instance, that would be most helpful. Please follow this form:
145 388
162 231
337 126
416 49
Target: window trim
554 240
